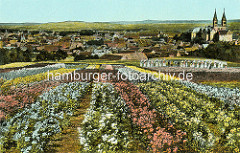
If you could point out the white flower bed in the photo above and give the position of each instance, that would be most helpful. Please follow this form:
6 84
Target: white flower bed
31 128
105 124
229 96
30 71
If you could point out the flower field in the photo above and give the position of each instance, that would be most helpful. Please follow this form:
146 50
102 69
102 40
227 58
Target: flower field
229 84
209 124
30 71
17 64
133 115
106 123
150 126
6 84
31 127
230 96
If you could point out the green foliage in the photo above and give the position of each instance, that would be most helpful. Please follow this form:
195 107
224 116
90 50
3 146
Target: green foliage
14 55
185 36
83 57
220 50
60 54
234 26
2 57
45 55
232 84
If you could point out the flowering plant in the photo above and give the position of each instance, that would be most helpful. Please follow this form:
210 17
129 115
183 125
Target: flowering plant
105 126
17 64
31 128
194 112
151 127
29 71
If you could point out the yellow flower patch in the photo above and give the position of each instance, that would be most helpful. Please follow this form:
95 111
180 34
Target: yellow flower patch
93 66
17 64
34 78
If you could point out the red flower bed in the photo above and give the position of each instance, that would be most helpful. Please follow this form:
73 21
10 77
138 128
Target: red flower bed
19 97
159 134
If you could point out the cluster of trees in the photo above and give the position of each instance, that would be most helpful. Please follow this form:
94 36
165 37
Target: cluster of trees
221 51
14 55
45 55
185 36
18 55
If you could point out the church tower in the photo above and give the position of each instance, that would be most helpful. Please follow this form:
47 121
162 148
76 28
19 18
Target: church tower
224 20
215 20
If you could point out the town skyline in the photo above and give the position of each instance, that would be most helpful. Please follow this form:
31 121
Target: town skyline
26 11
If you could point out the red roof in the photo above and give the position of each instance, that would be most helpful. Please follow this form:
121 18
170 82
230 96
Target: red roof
51 48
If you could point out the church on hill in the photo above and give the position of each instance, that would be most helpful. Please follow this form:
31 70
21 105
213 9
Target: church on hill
215 32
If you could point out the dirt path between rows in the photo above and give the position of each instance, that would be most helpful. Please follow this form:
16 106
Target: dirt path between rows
68 140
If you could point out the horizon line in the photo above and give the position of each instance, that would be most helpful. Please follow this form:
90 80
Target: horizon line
110 21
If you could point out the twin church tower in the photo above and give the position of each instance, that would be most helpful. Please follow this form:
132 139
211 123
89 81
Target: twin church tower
224 21
215 32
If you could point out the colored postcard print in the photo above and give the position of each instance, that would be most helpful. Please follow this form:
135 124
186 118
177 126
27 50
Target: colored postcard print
116 76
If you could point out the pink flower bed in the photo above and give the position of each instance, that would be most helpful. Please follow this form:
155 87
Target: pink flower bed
19 97
161 136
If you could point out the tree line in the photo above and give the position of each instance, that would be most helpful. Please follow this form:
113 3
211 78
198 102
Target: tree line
18 55
221 51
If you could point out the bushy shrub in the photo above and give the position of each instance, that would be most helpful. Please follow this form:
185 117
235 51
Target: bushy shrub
220 50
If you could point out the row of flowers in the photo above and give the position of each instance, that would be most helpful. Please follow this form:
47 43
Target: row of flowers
17 64
6 85
205 120
29 71
135 74
17 98
150 127
230 96
106 123
17 93
29 130
226 119
226 84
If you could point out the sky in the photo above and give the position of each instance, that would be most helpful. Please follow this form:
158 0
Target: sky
42 11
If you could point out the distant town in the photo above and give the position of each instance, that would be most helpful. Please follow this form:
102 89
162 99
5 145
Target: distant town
42 45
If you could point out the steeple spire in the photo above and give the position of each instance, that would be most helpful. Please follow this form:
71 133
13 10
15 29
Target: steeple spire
215 15
224 19
215 20
224 15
